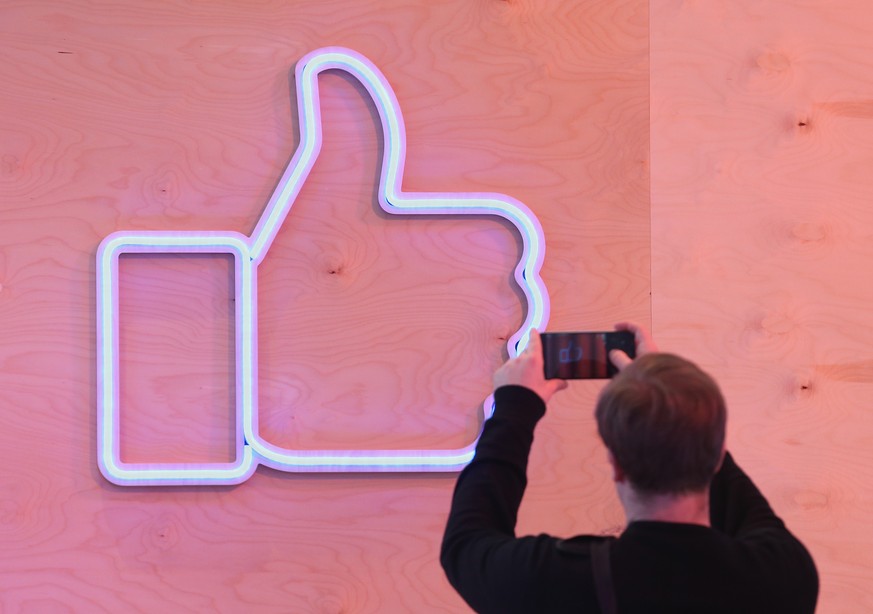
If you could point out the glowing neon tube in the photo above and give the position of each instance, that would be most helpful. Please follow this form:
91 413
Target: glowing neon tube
248 252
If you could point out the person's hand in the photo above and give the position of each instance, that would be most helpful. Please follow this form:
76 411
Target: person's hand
526 370
642 339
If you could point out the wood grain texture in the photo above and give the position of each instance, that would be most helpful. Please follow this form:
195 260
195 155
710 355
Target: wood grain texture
762 258
375 330
176 349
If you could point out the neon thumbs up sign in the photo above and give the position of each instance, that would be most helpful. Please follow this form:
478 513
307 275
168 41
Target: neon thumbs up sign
248 252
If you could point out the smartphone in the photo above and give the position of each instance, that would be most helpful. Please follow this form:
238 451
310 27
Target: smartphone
584 355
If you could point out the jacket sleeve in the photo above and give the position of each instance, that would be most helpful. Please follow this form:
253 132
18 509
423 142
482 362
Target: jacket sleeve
479 548
740 511
736 506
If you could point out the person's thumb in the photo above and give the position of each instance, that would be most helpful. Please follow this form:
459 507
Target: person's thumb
619 359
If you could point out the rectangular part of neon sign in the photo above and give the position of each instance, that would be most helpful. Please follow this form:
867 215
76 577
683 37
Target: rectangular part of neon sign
248 252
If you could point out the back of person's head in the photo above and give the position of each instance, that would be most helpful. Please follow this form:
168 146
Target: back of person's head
663 420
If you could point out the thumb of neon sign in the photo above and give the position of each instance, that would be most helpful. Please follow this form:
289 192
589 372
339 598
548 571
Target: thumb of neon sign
248 252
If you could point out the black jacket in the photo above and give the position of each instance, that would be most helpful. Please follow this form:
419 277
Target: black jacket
748 562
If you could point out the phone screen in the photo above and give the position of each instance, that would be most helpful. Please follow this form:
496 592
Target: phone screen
583 355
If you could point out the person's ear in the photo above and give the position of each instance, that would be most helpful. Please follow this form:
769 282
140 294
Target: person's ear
721 458
618 474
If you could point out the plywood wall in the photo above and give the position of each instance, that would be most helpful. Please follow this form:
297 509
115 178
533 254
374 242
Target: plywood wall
743 237
762 251
375 331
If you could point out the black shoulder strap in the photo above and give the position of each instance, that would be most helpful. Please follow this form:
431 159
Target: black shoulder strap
603 576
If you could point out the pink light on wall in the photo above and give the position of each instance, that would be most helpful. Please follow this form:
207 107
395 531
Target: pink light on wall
248 252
